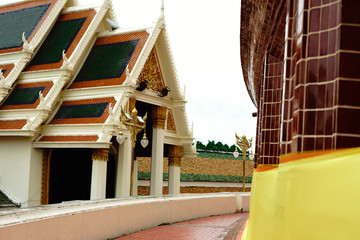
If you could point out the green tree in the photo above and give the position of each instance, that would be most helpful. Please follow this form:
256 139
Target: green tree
200 145
211 145
219 146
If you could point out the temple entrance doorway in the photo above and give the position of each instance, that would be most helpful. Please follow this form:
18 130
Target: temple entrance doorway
111 174
70 175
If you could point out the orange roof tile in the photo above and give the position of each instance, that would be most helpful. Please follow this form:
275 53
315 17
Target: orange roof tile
12 124
88 138
8 69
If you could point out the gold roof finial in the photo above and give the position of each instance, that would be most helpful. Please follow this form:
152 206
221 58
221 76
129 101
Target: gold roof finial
162 7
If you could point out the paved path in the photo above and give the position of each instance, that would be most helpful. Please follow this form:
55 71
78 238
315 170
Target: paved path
225 227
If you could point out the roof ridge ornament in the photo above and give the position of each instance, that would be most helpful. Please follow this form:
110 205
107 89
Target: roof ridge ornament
162 7
127 71
29 122
3 83
42 104
26 46
66 63
42 100
111 116
2 78
105 134
162 13
127 77
114 25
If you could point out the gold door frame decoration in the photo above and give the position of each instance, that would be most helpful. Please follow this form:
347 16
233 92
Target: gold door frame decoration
45 176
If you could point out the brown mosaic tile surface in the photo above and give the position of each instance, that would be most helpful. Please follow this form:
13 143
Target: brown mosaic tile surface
268 143
310 109
320 107
255 15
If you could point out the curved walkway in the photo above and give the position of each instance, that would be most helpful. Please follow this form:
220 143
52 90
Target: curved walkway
225 227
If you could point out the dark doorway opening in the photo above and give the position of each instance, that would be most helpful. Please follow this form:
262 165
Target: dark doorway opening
110 176
70 175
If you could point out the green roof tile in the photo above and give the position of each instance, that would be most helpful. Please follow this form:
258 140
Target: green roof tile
23 96
107 61
13 24
60 38
92 110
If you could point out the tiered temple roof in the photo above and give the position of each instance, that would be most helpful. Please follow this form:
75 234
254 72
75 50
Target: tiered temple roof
66 74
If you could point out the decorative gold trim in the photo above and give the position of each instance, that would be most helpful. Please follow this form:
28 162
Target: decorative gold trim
158 115
101 154
131 104
133 124
45 176
152 73
175 162
170 125
175 154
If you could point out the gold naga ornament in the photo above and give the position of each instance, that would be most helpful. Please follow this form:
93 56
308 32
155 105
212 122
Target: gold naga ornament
244 144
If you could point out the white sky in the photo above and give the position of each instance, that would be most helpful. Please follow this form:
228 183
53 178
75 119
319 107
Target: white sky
204 37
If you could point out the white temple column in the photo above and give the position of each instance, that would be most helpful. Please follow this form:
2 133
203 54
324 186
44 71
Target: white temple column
175 154
123 171
98 173
135 180
158 115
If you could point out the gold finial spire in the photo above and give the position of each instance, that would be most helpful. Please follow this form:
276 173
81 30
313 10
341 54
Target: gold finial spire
162 7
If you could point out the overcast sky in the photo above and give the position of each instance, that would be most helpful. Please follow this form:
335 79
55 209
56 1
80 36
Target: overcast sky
204 37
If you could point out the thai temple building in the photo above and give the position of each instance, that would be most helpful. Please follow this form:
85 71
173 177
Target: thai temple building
77 95
300 62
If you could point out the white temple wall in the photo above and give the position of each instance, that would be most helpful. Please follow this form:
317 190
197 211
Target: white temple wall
20 170
110 218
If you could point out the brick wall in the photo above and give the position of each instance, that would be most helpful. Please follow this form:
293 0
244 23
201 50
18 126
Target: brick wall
209 166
